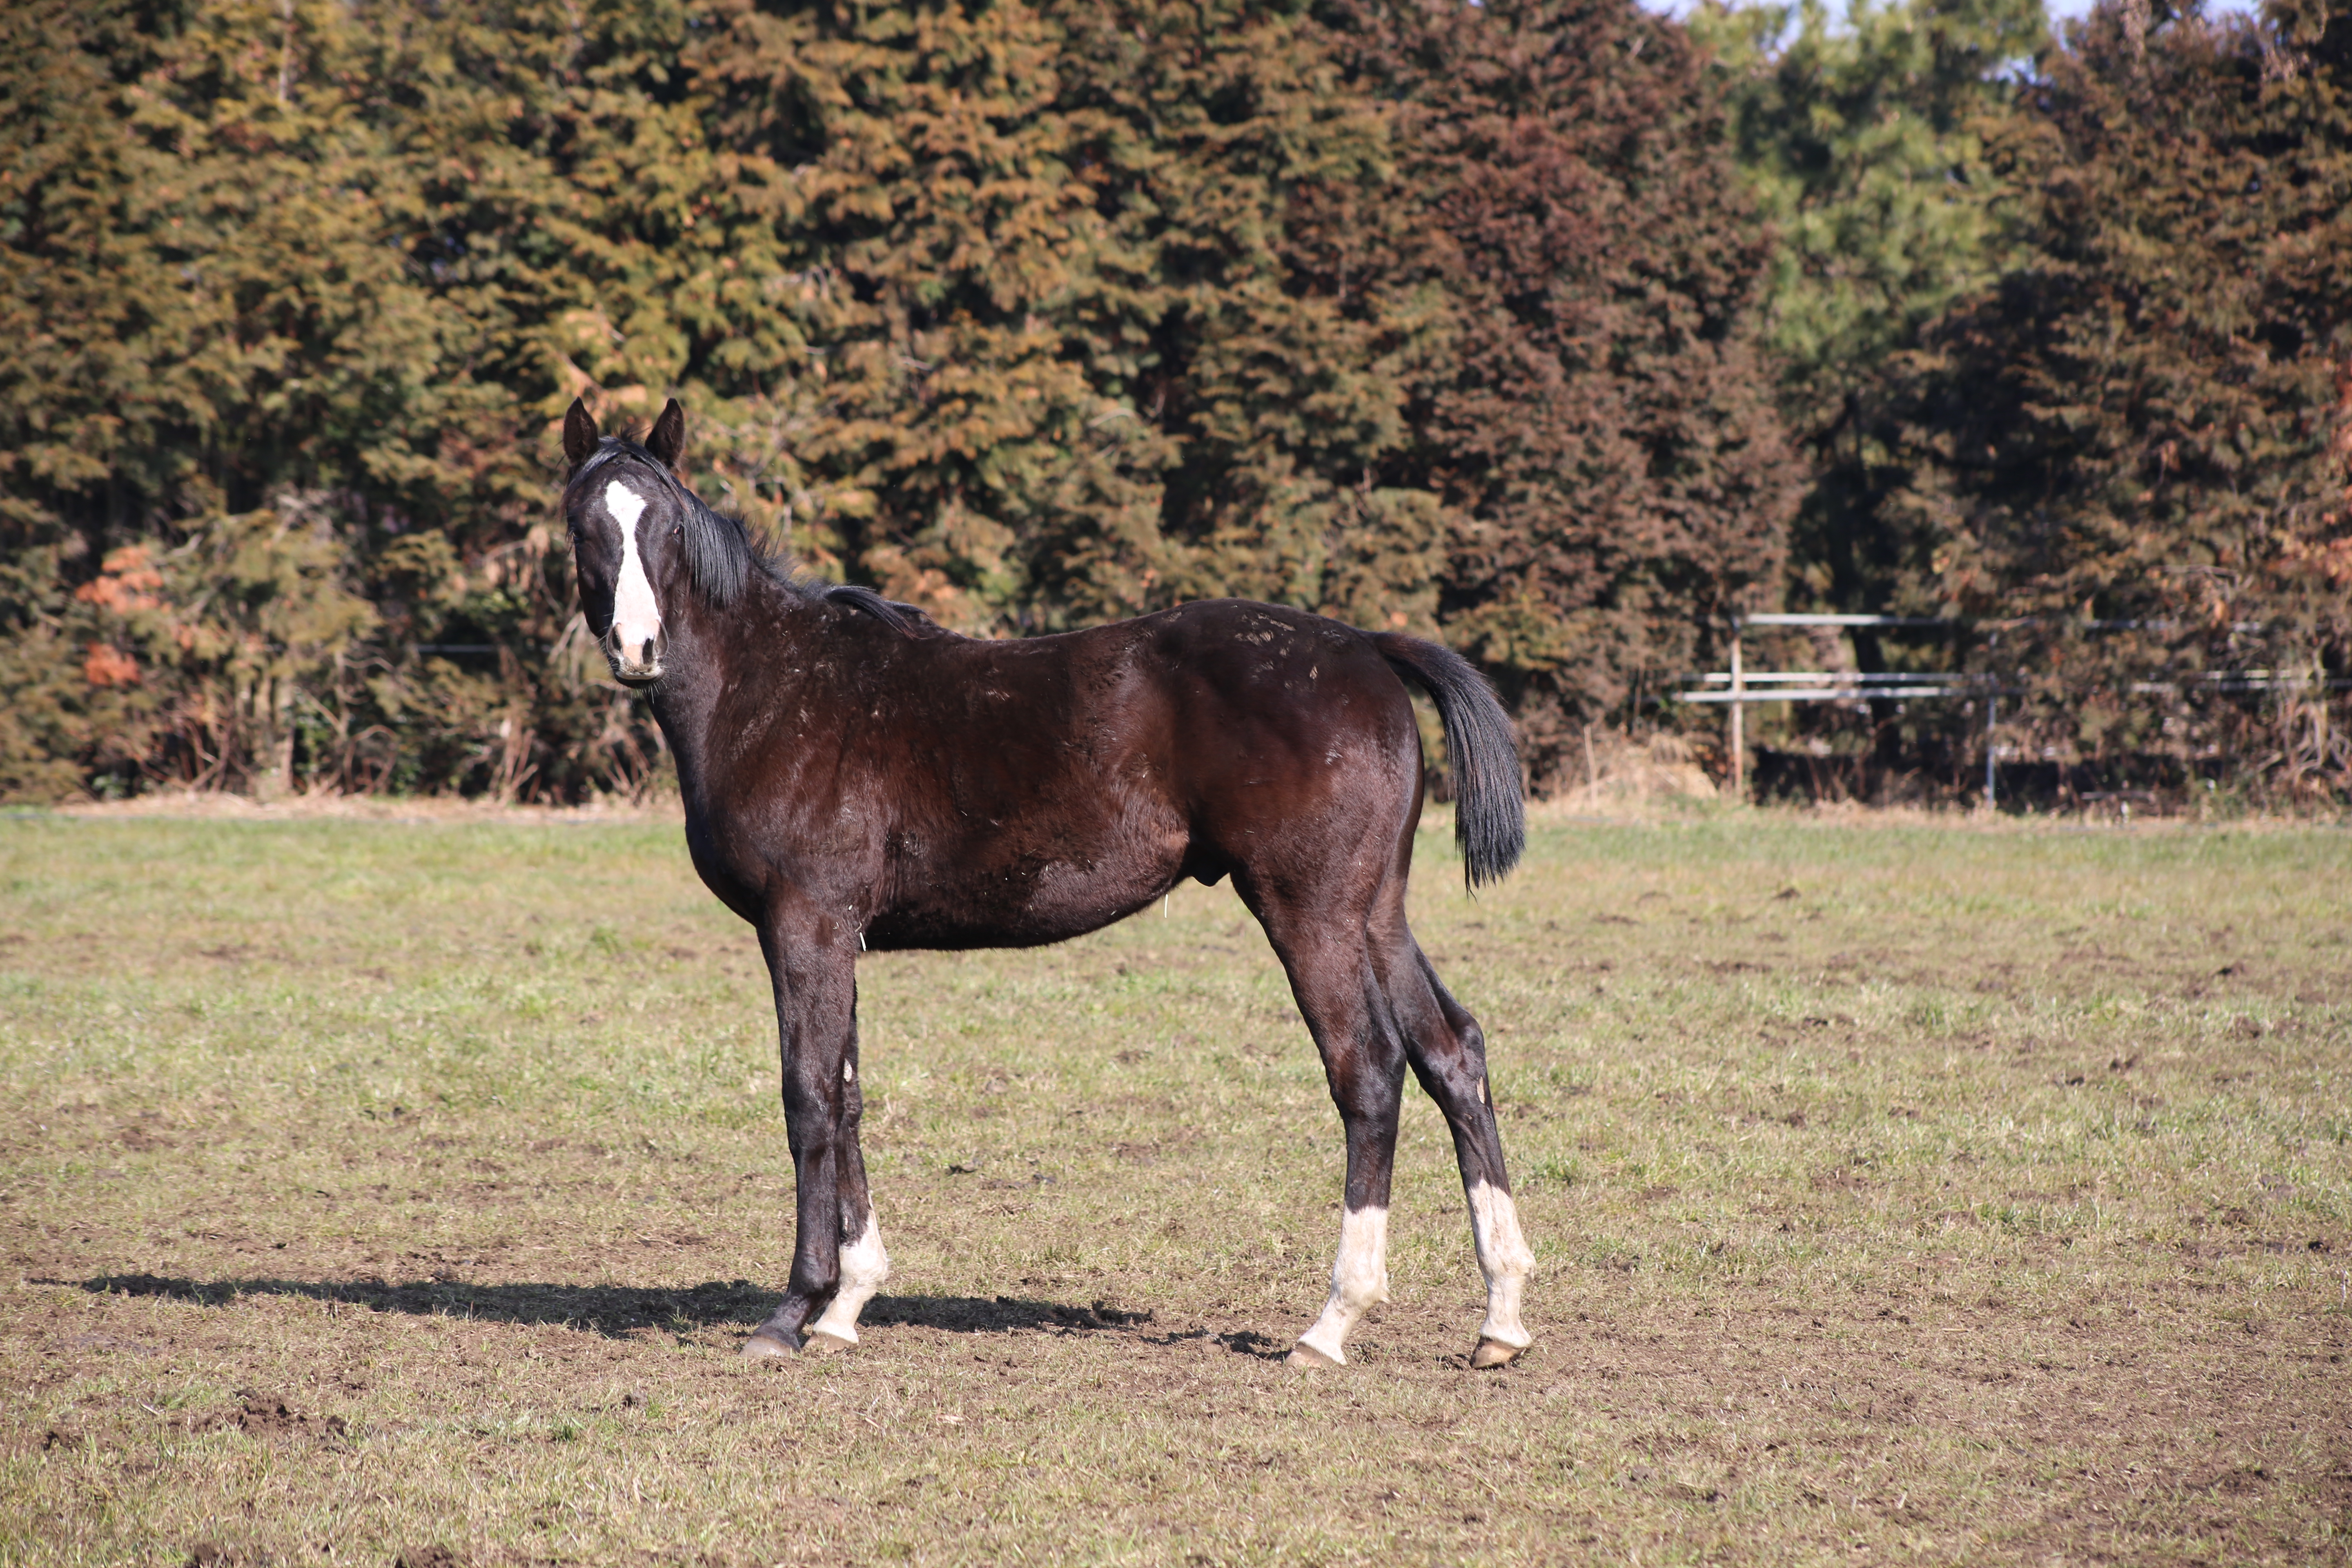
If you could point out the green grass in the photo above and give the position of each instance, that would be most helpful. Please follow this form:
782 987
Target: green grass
1899 1192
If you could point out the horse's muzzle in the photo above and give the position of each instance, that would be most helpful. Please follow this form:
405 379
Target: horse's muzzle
635 661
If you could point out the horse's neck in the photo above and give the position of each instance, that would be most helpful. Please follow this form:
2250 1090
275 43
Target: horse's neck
712 650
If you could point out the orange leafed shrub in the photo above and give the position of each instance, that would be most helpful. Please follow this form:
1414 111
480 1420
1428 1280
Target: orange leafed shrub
125 581
110 666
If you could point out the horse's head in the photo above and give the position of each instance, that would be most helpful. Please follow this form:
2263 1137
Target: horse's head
634 533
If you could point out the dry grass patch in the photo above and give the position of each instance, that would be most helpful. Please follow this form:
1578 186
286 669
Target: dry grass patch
373 1190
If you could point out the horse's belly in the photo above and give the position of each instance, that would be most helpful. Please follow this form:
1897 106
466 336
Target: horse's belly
1020 905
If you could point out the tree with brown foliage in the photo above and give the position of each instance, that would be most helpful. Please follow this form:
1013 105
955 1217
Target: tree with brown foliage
2131 449
1425 317
1590 403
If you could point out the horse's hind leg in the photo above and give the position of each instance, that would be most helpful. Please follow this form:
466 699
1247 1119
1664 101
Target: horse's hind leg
1363 1061
863 1265
1448 1052
1331 978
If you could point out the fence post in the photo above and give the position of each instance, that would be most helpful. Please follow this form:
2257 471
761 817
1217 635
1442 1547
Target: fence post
1992 711
1993 785
1738 720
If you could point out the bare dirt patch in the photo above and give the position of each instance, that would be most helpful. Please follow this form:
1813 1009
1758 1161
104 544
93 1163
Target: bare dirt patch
1871 1225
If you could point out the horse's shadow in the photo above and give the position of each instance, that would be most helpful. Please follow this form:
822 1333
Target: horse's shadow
618 1311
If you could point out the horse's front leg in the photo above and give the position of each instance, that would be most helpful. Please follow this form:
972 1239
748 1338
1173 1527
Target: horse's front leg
813 966
863 1265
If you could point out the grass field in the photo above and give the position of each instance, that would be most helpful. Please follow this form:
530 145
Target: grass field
372 1190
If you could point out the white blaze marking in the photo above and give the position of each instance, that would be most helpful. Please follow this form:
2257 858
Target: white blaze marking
636 618
1506 1261
1360 1280
864 1266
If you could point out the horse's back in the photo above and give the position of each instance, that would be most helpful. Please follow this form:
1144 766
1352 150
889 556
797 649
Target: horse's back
1210 677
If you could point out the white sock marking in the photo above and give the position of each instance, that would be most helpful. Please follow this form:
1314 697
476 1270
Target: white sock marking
864 1266
1506 1261
636 618
1360 1280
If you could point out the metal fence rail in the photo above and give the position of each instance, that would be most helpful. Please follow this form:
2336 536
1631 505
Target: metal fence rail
1736 687
1833 686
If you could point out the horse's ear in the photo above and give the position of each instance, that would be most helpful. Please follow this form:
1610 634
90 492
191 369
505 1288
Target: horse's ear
580 432
667 437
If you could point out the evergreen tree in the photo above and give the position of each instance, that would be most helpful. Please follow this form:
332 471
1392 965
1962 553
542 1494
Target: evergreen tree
2133 445
1421 317
1256 393
1862 135
1584 391
925 245
219 355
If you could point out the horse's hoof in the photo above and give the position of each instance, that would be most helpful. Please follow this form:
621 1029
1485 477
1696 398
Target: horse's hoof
1304 1354
765 1346
826 1342
1492 1353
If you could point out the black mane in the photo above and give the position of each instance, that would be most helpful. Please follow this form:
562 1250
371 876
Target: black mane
722 554
905 619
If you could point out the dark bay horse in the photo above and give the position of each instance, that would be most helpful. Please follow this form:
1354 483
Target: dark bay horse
856 777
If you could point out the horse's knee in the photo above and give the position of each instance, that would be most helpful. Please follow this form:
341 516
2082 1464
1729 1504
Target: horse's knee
813 1127
814 1092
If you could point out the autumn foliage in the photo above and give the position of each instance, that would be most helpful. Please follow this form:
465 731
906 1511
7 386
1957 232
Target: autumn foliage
2132 445
1535 326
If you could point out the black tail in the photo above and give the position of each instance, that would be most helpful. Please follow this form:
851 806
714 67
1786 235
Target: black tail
1490 822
